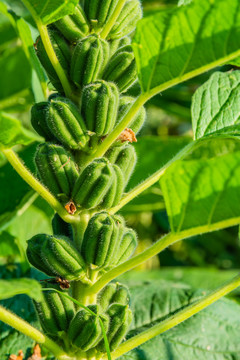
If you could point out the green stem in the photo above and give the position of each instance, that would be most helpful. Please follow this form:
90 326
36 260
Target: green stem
109 25
176 318
118 129
36 185
152 179
28 330
54 60
156 248
79 229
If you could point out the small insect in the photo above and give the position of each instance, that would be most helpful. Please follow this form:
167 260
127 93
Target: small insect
63 283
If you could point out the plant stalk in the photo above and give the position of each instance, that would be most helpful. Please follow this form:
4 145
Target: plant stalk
36 185
21 325
109 25
118 129
176 318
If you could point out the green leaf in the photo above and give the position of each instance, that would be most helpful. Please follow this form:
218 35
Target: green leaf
13 133
173 46
215 104
8 245
16 194
211 334
10 288
201 190
49 11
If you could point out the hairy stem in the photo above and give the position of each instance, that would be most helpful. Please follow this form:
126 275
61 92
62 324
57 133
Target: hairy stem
36 185
152 179
156 248
176 318
109 25
118 129
25 328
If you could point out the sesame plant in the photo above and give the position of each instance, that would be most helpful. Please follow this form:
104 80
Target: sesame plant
86 123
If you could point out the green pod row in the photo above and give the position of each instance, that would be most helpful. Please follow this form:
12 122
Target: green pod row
125 104
66 123
113 293
89 59
74 26
101 239
120 317
39 121
55 313
99 185
55 256
98 11
127 246
56 169
100 102
127 20
85 330
125 157
60 227
63 53
122 69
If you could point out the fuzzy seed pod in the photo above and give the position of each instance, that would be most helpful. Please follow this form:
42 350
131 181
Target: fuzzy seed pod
125 157
65 122
55 312
85 331
56 256
120 321
56 169
62 52
100 102
60 227
101 239
127 20
127 246
118 43
113 293
89 59
98 11
75 26
122 69
99 185
124 105
39 120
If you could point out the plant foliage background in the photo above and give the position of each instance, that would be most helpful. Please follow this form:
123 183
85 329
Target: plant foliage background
187 269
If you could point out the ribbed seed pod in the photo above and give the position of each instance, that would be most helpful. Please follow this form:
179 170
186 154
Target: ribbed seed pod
120 321
65 122
124 105
125 157
85 331
63 53
55 312
122 69
56 169
100 102
115 192
127 20
56 256
113 293
118 43
60 227
98 11
101 239
93 187
39 120
75 26
89 59
127 246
